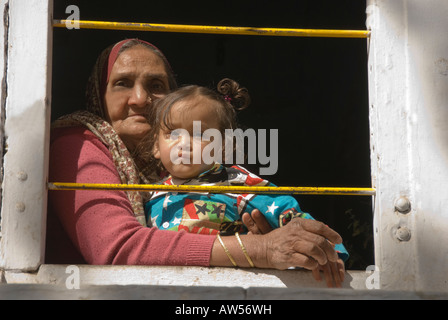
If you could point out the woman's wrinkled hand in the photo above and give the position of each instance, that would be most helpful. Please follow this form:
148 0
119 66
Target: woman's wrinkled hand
334 273
302 243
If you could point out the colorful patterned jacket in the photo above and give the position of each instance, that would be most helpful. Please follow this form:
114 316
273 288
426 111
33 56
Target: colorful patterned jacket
207 213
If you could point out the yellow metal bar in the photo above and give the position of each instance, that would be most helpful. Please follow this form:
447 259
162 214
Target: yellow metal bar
213 189
133 26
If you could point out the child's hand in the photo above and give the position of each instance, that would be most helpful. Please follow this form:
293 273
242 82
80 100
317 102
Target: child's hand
334 273
256 223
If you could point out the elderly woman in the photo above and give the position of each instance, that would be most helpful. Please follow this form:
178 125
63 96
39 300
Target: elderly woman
108 227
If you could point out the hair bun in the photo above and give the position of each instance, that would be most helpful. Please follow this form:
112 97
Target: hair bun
234 94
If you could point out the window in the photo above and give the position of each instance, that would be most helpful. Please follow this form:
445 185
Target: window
314 90
407 71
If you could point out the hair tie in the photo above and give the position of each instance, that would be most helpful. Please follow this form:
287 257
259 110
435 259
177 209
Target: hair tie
227 98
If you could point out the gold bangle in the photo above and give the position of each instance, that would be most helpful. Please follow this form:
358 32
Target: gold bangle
226 251
244 250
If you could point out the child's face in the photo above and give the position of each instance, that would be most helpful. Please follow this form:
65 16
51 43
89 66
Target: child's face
186 147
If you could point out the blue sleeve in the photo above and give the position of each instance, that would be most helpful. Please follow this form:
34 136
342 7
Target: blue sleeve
277 209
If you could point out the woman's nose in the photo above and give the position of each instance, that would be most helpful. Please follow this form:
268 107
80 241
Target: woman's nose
140 97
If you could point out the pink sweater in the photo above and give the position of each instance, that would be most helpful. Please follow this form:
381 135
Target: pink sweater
98 227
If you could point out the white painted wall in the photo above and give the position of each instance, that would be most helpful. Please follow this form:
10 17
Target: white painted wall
24 198
408 88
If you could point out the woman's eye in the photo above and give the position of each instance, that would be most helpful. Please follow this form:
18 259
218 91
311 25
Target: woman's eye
157 87
122 83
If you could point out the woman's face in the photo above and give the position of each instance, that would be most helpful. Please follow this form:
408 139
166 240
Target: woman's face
137 79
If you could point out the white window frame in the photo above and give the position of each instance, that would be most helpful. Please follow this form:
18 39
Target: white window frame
27 42
399 126
408 102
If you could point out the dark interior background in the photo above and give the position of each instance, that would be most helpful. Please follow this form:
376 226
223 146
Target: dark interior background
314 90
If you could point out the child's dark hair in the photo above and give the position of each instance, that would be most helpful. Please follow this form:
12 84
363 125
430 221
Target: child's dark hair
231 97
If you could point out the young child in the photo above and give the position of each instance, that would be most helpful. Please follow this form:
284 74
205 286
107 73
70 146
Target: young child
175 139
